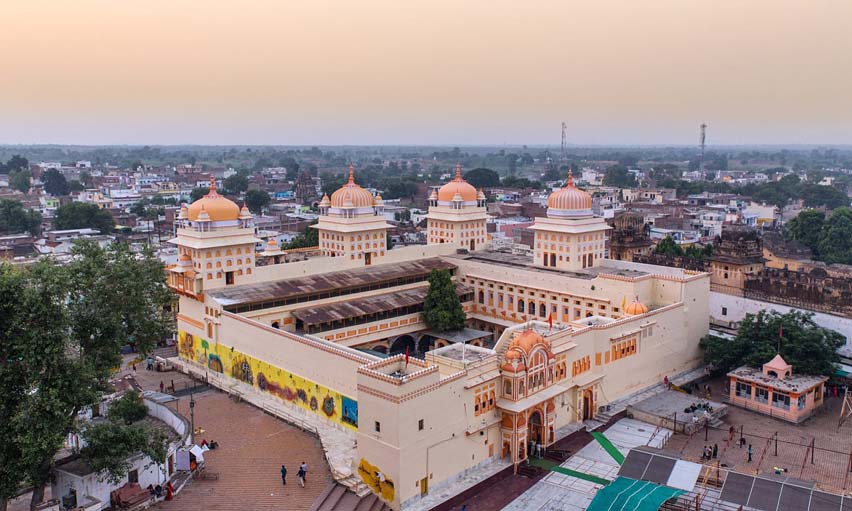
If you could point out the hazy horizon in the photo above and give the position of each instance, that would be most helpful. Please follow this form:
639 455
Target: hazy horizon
439 73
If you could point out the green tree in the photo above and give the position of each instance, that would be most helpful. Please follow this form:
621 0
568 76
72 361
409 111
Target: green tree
809 348
667 246
198 193
308 238
54 183
80 215
63 330
14 218
236 184
442 309
388 241
16 162
20 180
482 178
127 409
619 176
256 200
835 243
110 446
806 228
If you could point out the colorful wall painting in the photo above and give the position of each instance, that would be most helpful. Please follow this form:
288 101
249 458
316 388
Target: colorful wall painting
376 480
268 378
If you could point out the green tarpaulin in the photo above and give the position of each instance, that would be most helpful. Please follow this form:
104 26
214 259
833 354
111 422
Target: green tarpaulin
625 494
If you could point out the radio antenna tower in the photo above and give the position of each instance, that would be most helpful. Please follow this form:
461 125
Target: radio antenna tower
564 142
701 139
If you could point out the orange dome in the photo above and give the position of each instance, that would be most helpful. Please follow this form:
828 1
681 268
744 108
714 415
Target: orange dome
457 186
570 198
526 341
635 308
218 208
351 195
508 367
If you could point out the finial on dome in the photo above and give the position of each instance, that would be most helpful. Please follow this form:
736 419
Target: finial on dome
212 183
570 181
351 174
458 171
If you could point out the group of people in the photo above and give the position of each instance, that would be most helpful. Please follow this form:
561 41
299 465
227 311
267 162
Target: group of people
710 452
301 474
695 407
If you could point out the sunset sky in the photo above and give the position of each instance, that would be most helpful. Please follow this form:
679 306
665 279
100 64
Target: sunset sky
425 72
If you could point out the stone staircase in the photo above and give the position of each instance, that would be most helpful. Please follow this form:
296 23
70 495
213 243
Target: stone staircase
340 498
619 405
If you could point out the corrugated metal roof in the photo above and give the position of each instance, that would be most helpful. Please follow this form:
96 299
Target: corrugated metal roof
326 282
366 306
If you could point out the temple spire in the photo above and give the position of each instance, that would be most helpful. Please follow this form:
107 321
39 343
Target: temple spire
212 183
570 181
458 171
351 174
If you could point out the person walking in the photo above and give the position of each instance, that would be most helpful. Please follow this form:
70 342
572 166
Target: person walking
304 468
162 386
715 451
749 453
301 475
283 475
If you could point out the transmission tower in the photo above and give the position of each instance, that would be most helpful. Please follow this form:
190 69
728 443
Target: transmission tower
701 140
564 142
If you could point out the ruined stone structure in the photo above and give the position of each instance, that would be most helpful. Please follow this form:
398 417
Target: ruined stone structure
629 237
737 256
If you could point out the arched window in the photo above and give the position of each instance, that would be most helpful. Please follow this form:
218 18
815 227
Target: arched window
481 297
532 308
521 306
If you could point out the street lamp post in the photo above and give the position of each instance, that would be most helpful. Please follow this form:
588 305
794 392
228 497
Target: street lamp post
192 418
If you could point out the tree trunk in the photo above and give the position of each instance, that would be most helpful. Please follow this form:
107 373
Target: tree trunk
3 503
38 497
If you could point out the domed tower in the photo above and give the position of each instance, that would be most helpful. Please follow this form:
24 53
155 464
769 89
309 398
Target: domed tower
571 237
215 241
457 215
351 224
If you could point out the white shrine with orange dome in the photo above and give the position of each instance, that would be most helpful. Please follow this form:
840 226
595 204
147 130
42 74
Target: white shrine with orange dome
351 224
571 237
457 215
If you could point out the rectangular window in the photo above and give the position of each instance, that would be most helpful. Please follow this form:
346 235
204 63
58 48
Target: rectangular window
780 400
761 395
420 425
378 427
801 402
724 311
744 390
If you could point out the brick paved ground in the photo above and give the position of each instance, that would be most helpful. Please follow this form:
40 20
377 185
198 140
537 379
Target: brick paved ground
831 458
252 447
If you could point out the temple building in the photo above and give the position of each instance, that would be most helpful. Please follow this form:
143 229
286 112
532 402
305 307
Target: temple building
775 391
550 338
570 237
457 215
351 224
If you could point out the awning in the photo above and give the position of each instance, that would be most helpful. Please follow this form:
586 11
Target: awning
625 494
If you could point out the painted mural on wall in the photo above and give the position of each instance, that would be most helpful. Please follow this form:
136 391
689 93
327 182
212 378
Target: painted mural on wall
273 380
376 480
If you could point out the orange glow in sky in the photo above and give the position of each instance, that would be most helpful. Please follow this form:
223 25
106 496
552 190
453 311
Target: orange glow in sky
425 72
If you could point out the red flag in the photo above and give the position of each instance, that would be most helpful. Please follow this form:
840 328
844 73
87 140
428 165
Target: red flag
550 320
406 356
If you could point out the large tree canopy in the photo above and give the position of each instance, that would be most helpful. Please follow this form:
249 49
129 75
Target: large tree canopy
80 215
55 183
15 219
830 239
442 309
618 175
256 200
62 331
482 178
809 348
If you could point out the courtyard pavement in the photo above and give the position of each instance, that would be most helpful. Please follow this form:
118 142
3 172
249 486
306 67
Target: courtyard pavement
558 491
830 459
252 447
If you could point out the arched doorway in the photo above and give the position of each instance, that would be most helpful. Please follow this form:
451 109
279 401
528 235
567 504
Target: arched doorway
426 343
536 428
402 343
